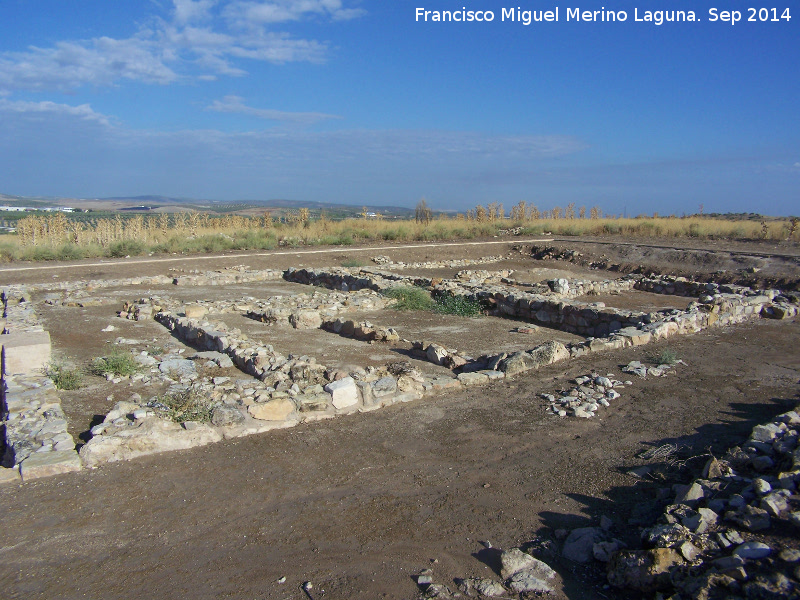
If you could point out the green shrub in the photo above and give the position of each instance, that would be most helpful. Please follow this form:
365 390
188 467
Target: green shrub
8 252
126 248
353 263
460 306
571 230
400 232
214 243
71 252
64 378
667 356
39 253
410 298
255 240
189 405
119 362
532 230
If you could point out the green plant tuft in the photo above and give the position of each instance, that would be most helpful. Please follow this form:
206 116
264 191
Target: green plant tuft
184 406
460 306
667 356
354 262
119 362
64 378
410 298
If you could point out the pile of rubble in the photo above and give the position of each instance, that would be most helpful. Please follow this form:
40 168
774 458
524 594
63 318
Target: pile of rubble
593 390
732 534
716 537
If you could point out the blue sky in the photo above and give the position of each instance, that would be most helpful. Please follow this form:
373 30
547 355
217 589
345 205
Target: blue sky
355 101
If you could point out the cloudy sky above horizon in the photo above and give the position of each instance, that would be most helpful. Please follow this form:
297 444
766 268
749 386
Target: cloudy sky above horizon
355 101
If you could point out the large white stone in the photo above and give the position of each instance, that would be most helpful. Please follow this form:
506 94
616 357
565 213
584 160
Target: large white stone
344 392
25 353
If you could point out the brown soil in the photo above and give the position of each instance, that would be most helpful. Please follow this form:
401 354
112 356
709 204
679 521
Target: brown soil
360 504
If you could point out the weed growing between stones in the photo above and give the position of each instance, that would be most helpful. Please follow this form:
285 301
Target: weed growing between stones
667 356
184 406
410 298
354 263
119 362
459 306
64 378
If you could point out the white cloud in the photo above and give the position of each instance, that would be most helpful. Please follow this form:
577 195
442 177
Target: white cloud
83 112
194 43
187 11
99 62
247 13
235 104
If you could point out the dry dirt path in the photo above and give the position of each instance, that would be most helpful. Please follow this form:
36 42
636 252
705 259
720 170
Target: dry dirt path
359 504
255 254
715 254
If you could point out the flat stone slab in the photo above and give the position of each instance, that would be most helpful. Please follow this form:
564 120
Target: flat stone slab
278 409
150 436
473 378
25 353
45 464
9 476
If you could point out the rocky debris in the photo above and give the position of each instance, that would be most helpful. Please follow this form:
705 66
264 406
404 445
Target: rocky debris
585 398
522 575
714 536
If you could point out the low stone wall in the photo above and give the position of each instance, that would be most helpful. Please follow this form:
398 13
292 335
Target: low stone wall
36 442
286 390
388 263
301 378
96 284
353 279
231 276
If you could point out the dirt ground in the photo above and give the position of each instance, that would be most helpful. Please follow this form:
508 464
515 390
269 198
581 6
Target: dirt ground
360 504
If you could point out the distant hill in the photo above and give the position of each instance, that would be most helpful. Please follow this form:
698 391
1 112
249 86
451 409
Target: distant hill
171 204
